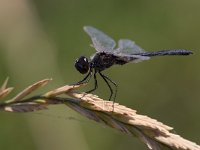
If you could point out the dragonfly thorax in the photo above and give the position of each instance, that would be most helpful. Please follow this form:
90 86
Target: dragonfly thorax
82 64
101 61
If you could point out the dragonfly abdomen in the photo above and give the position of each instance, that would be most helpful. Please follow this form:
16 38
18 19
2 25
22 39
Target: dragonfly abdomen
166 52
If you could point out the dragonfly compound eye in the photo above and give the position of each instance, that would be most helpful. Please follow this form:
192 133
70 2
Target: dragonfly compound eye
82 64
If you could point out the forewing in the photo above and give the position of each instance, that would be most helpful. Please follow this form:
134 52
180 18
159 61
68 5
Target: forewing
128 47
101 41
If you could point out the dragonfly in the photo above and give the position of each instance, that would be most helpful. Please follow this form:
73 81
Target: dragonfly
108 54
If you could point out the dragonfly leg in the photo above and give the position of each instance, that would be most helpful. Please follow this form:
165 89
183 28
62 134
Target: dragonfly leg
115 93
95 83
86 79
106 79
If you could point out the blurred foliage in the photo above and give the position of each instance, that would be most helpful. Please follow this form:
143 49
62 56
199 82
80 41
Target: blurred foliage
41 39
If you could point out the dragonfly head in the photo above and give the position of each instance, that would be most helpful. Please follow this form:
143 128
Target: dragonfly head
82 64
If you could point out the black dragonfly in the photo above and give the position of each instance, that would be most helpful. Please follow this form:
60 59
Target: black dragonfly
108 55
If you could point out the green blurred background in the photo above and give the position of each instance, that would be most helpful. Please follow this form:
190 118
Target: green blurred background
41 39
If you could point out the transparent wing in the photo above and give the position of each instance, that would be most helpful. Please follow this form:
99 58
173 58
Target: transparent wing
101 41
126 46
121 59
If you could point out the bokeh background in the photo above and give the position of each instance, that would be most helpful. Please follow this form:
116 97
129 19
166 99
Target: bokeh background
41 39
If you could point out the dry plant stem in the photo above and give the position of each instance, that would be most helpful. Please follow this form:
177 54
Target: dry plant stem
4 91
126 120
150 131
